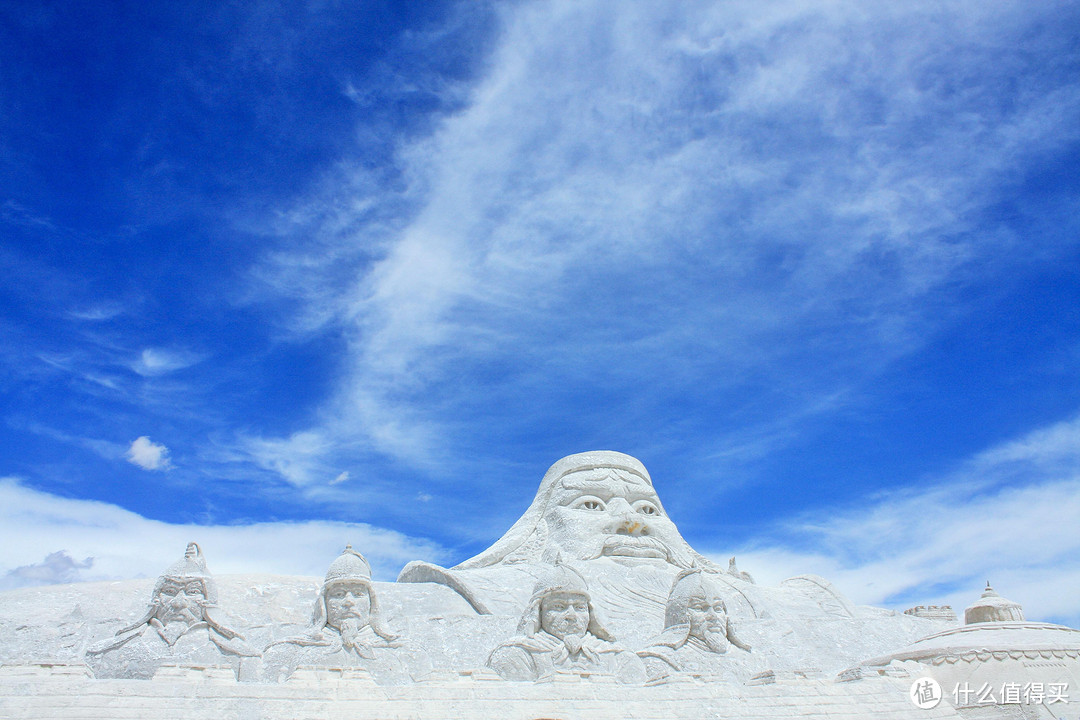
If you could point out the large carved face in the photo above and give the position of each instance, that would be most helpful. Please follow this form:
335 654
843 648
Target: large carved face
708 620
180 600
610 512
564 613
348 602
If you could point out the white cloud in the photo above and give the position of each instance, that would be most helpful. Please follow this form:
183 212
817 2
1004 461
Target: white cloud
1057 446
120 544
342 477
298 458
689 190
148 455
98 312
159 361
57 568
1007 516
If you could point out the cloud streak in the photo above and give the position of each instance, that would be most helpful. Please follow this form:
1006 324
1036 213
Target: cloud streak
1004 516
153 362
690 192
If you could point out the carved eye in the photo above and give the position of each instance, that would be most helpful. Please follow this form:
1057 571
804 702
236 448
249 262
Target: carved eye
647 508
590 503
170 590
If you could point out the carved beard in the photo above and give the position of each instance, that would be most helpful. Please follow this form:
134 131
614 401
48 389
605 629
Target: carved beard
716 642
574 649
572 642
350 629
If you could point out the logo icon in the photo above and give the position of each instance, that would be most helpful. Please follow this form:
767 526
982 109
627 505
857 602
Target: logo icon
925 693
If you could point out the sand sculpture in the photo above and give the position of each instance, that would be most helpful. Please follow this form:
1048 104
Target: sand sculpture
593 584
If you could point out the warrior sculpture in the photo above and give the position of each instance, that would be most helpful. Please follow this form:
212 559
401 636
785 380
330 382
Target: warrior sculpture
177 627
561 633
698 634
346 628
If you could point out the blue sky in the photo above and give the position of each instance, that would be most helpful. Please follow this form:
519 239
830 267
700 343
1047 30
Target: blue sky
281 276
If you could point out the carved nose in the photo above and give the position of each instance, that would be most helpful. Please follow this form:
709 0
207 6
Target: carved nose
627 522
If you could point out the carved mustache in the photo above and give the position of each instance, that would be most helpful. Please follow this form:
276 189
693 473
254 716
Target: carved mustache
644 542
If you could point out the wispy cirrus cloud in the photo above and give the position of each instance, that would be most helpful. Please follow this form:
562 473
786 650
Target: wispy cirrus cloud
153 362
662 200
105 449
98 312
298 458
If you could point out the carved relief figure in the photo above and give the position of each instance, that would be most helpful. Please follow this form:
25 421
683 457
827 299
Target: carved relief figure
591 506
176 628
346 627
560 632
698 635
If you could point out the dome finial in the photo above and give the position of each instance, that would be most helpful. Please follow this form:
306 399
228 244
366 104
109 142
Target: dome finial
991 607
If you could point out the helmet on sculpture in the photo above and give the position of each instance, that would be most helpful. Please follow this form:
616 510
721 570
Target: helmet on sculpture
688 584
190 576
349 574
696 603
559 579
350 566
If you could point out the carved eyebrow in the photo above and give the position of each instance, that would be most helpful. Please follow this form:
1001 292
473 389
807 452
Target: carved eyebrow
589 485
601 489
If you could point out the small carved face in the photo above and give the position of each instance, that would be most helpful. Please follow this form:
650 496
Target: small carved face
346 601
609 512
180 601
708 621
563 614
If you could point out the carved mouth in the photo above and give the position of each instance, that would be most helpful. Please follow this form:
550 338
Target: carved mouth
634 546
562 630
182 614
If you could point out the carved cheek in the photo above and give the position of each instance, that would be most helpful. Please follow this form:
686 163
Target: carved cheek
662 527
574 529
